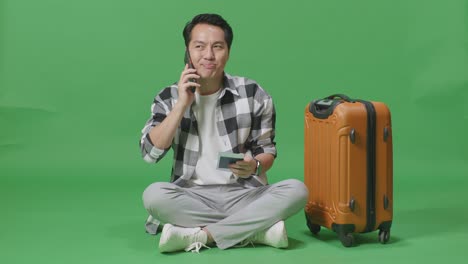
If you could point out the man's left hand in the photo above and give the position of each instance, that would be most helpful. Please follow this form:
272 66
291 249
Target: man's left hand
244 168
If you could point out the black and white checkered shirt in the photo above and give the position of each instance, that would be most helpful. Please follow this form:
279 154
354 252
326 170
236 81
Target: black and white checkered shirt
245 116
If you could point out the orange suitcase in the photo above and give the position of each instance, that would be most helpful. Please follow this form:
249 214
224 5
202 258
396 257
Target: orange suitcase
348 167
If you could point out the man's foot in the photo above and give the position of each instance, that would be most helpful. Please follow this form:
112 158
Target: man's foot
174 238
275 236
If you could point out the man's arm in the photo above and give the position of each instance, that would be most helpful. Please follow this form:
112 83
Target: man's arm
158 139
263 144
162 135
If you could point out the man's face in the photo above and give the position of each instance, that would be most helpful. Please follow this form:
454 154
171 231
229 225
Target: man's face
208 50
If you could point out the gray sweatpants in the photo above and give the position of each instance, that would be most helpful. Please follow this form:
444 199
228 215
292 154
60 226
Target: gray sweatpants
231 213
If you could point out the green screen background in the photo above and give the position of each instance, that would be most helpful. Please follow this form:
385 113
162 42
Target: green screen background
77 79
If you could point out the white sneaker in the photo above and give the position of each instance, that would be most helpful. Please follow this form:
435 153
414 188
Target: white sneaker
275 236
174 238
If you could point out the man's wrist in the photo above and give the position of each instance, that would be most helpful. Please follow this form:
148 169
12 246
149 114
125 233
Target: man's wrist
180 107
258 167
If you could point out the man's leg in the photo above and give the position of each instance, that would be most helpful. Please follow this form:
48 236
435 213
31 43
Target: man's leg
229 213
184 210
186 207
255 209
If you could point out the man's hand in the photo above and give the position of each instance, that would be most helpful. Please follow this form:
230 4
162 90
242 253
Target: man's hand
244 168
186 96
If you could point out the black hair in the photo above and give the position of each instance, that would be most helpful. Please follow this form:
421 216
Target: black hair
211 19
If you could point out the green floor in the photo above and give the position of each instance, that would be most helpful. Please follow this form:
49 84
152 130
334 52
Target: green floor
96 216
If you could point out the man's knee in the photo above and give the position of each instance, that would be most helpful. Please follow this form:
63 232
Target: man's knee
296 191
156 194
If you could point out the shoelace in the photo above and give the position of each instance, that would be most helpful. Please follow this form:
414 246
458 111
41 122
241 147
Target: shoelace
195 247
249 241
245 243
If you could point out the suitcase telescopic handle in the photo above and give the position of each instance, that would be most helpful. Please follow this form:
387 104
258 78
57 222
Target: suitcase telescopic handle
341 96
323 108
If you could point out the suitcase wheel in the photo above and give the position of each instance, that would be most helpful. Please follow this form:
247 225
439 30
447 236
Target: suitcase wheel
314 228
346 239
384 236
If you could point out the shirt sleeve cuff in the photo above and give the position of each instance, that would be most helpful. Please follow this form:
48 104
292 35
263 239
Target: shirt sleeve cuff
151 153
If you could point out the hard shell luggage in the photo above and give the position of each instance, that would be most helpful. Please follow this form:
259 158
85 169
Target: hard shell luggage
348 167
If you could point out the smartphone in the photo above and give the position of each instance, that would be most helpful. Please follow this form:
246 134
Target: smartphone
188 61
226 158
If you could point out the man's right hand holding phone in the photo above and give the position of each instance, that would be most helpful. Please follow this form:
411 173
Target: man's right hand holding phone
186 82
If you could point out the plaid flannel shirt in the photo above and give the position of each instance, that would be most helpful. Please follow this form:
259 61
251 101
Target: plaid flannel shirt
245 116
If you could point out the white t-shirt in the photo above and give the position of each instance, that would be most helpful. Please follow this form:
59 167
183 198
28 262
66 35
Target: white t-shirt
206 171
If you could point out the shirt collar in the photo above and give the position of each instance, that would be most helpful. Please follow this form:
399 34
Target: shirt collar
229 85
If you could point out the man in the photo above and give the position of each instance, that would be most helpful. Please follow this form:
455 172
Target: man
205 205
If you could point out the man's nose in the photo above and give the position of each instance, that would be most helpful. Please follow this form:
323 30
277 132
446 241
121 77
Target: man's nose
209 54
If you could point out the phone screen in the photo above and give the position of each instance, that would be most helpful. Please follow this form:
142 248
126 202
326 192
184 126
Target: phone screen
188 61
